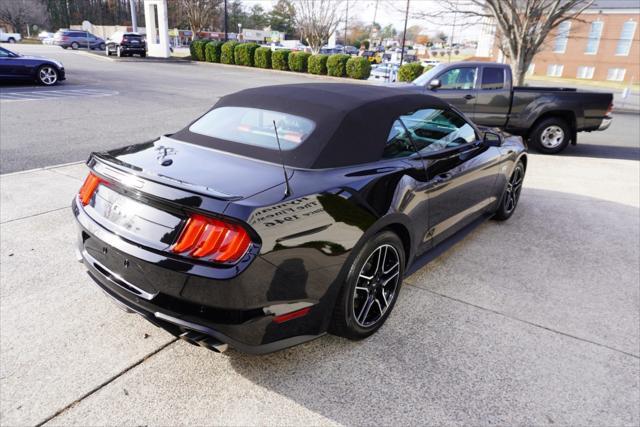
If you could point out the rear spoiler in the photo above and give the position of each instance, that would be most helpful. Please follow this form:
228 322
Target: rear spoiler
133 176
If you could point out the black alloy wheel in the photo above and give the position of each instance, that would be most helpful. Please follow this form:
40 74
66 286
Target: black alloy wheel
511 194
371 288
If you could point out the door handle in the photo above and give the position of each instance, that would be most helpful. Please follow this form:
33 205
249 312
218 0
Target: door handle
469 96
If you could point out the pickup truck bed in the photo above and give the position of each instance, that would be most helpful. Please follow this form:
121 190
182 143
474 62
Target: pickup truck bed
548 117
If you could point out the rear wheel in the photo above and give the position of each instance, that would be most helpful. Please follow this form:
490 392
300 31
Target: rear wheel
47 75
371 288
102 46
511 194
551 135
11 40
75 45
143 54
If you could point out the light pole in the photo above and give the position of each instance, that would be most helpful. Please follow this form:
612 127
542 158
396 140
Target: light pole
404 33
134 18
239 31
226 36
346 24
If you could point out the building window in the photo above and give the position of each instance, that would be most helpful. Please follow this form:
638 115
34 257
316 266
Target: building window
585 72
555 70
562 37
531 69
616 74
594 37
626 38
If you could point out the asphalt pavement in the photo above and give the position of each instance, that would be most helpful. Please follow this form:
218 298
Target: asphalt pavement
534 321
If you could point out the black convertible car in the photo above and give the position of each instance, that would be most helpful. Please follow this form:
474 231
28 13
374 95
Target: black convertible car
14 66
286 212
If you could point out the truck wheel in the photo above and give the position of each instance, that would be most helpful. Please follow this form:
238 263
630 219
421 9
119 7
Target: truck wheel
11 40
551 135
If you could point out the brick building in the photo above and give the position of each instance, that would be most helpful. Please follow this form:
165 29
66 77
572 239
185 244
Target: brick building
602 44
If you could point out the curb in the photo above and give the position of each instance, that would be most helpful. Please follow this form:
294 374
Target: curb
43 168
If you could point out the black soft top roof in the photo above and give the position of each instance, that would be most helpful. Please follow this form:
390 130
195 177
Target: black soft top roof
352 121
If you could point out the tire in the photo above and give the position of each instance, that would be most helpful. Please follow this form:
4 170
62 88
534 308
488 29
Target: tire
64 47
119 52
47 75
511 194
102 46
75 45
359 308
11 40
143 55
551 135
107 51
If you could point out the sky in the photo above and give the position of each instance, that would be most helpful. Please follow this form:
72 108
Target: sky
393 12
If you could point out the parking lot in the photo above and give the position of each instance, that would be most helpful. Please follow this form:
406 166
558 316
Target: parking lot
531 321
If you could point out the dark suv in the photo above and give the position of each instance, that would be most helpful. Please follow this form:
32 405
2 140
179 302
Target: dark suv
125 44
77 39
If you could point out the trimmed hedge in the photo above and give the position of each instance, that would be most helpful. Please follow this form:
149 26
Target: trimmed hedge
318 64
358 68
262 57
410 72
196 49
226 53
298 61
337 64
213 50
243 54
280 60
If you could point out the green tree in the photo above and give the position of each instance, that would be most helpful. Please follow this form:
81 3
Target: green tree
388 32
236 15
282 17
257 18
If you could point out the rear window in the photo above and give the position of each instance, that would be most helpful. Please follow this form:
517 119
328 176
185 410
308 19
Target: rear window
253 126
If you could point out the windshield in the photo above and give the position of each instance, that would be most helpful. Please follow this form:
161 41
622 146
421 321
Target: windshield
428 76
254 126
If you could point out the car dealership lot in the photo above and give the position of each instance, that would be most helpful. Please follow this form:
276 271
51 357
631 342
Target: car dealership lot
532 321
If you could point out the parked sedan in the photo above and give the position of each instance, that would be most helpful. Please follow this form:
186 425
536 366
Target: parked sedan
286 212
14 66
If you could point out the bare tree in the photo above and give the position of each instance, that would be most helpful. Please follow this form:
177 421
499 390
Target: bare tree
317 20
200 14
20 13
522 25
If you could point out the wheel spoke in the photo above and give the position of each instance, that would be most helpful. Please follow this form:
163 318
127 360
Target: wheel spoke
366 308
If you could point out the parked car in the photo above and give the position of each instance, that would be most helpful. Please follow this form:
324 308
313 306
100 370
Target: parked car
373 57
77 39
351 50
9 37
319 238
14 66
385 73
43 35
123 43
550 118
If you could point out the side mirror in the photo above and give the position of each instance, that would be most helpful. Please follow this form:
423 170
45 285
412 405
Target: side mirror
434 84
492 139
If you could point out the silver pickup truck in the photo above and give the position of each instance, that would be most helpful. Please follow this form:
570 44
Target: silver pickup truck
549 118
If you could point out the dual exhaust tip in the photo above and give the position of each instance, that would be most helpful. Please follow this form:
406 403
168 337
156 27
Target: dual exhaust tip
203 340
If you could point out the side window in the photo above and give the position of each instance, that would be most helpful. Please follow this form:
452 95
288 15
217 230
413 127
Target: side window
398 142
458 78
434 130
492 78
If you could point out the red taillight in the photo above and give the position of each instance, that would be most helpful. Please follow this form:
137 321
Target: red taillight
88 188
293 315
610 109
212 239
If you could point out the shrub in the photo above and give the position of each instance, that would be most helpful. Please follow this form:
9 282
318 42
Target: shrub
358 67
410 72
243 54
279 59
318 64
197 49
337 64
226 52
298 61
212 51
262 57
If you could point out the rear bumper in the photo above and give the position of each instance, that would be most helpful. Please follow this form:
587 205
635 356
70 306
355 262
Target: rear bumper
606 122
133 49
237 311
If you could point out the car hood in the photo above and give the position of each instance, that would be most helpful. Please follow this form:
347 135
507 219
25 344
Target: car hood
198 169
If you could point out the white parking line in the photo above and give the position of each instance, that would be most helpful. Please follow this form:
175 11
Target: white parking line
44 94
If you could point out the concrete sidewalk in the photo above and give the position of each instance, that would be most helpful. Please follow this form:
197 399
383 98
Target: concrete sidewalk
532 321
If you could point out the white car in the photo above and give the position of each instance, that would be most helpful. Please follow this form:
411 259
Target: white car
386 73
9 37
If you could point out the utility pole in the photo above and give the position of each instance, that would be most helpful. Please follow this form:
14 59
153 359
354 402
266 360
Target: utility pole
453 32
346 24
375 14
226 35
134 17
404 33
